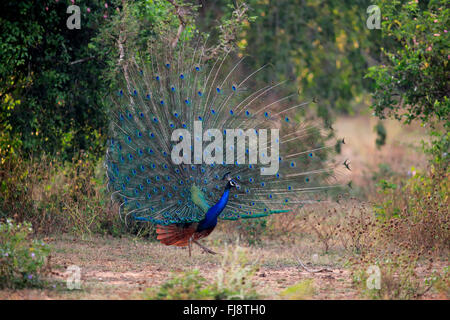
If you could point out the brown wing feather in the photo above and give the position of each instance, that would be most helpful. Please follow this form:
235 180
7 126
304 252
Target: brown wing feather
203 234
175 234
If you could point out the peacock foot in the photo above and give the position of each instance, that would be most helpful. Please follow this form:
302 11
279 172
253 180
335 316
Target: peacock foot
205 249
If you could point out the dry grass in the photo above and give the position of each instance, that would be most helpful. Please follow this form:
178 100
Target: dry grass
123 268
113 268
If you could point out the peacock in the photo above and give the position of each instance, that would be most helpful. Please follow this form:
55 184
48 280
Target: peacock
194 140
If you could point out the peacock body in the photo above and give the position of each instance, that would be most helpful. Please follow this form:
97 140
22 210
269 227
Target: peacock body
192 143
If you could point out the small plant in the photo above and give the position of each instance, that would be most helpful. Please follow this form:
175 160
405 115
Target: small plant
22 260
56 196
186 286
287 228
233 282
234 277
399 278
442 283
381 134
325 225
300 291
417 214
252 230
411 228
356 231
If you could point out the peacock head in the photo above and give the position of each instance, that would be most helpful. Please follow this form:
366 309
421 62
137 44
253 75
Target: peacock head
231 182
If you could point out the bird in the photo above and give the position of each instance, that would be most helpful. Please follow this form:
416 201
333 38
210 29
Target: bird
347 165
170 158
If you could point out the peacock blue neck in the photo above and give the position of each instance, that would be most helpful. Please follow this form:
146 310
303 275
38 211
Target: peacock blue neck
210 220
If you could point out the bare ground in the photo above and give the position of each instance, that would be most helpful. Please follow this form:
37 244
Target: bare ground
122 268
113 268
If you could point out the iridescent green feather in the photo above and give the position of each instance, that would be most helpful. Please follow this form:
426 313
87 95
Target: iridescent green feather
179 87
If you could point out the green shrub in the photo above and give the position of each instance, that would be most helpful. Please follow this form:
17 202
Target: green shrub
233 282
411 83
252 230
186 286
416 214
300 291
56 196
399 276
22 260
411 228
234 277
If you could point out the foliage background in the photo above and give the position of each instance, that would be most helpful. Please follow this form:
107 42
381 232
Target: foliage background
54 80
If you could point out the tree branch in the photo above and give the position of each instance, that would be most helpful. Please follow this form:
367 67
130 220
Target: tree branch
81 60
181 13
312 271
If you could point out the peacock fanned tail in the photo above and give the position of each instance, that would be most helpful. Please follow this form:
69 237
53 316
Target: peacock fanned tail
179 87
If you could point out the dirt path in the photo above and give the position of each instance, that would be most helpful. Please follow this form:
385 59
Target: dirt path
114 268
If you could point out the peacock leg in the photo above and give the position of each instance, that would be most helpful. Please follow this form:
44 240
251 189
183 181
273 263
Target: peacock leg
203 247
190 243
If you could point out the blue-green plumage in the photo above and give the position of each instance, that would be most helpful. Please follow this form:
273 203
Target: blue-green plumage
210 220
180 86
